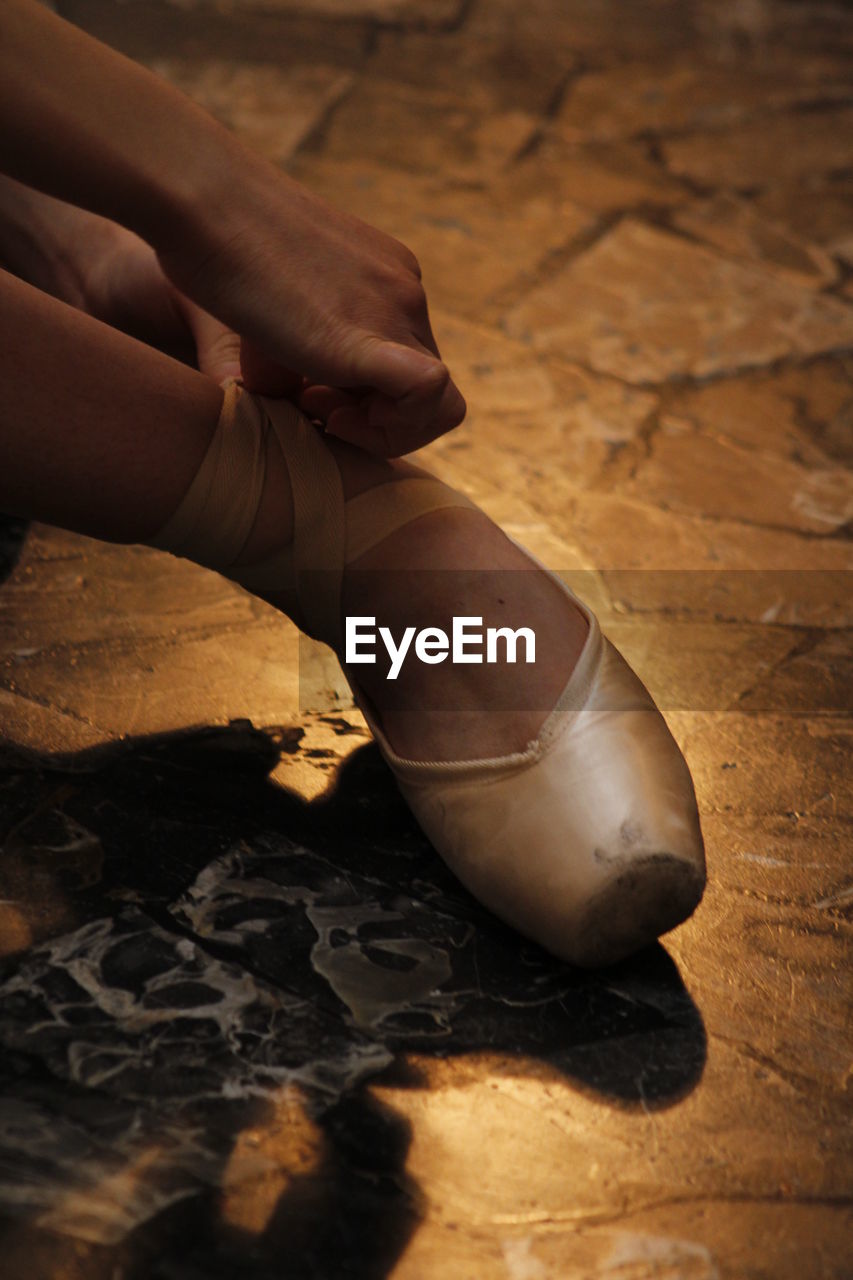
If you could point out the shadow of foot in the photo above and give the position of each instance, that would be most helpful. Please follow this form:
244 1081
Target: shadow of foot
204 943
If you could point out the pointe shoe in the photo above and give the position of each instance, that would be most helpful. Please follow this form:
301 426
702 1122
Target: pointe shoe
588 841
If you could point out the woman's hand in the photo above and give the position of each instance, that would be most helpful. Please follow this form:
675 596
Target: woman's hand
312 289
324 294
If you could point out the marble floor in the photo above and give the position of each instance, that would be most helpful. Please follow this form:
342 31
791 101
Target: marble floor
250 1025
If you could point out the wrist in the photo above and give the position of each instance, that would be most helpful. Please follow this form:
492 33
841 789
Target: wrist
215 248
180 195
200 209
87 125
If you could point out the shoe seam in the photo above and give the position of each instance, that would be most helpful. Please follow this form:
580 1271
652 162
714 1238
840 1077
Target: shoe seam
574 697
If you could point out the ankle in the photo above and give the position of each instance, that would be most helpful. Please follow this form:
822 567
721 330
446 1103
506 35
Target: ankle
273 525
457 562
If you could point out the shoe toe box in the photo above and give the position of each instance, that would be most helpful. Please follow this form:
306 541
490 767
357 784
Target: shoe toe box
593 849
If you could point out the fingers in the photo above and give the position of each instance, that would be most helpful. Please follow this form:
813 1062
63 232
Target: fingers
376 423
429 403
266 376
223 354
326 295
409 424
412 400
382 428
321 402
217 346
217 349
387 395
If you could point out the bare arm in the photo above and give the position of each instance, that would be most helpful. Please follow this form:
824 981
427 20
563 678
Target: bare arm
88 125
312 288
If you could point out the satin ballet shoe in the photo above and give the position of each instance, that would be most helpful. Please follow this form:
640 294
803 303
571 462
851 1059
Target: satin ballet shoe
587 841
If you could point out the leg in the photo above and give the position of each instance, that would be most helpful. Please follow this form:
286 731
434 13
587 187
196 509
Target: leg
98 433
582 830
586 836
103 435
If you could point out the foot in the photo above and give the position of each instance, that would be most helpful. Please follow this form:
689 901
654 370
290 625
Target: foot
453 562
458 562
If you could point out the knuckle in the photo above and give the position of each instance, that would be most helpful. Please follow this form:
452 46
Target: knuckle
457 410
438 378
403 286
459 416
403 257
410 262
411 295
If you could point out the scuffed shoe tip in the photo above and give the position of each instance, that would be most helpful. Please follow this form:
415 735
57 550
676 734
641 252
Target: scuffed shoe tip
647 899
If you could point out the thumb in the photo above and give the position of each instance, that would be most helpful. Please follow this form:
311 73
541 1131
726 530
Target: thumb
415 399
266 376
399 372
217 346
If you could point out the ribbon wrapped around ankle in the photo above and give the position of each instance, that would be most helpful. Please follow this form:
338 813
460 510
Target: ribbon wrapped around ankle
214 519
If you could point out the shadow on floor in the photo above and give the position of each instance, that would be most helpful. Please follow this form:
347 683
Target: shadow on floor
175 860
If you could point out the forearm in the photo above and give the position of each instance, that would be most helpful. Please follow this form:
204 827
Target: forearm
98 432
83 123
41 241
312 289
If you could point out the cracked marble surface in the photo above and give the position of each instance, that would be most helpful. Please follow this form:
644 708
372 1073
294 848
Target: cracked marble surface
249 1024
